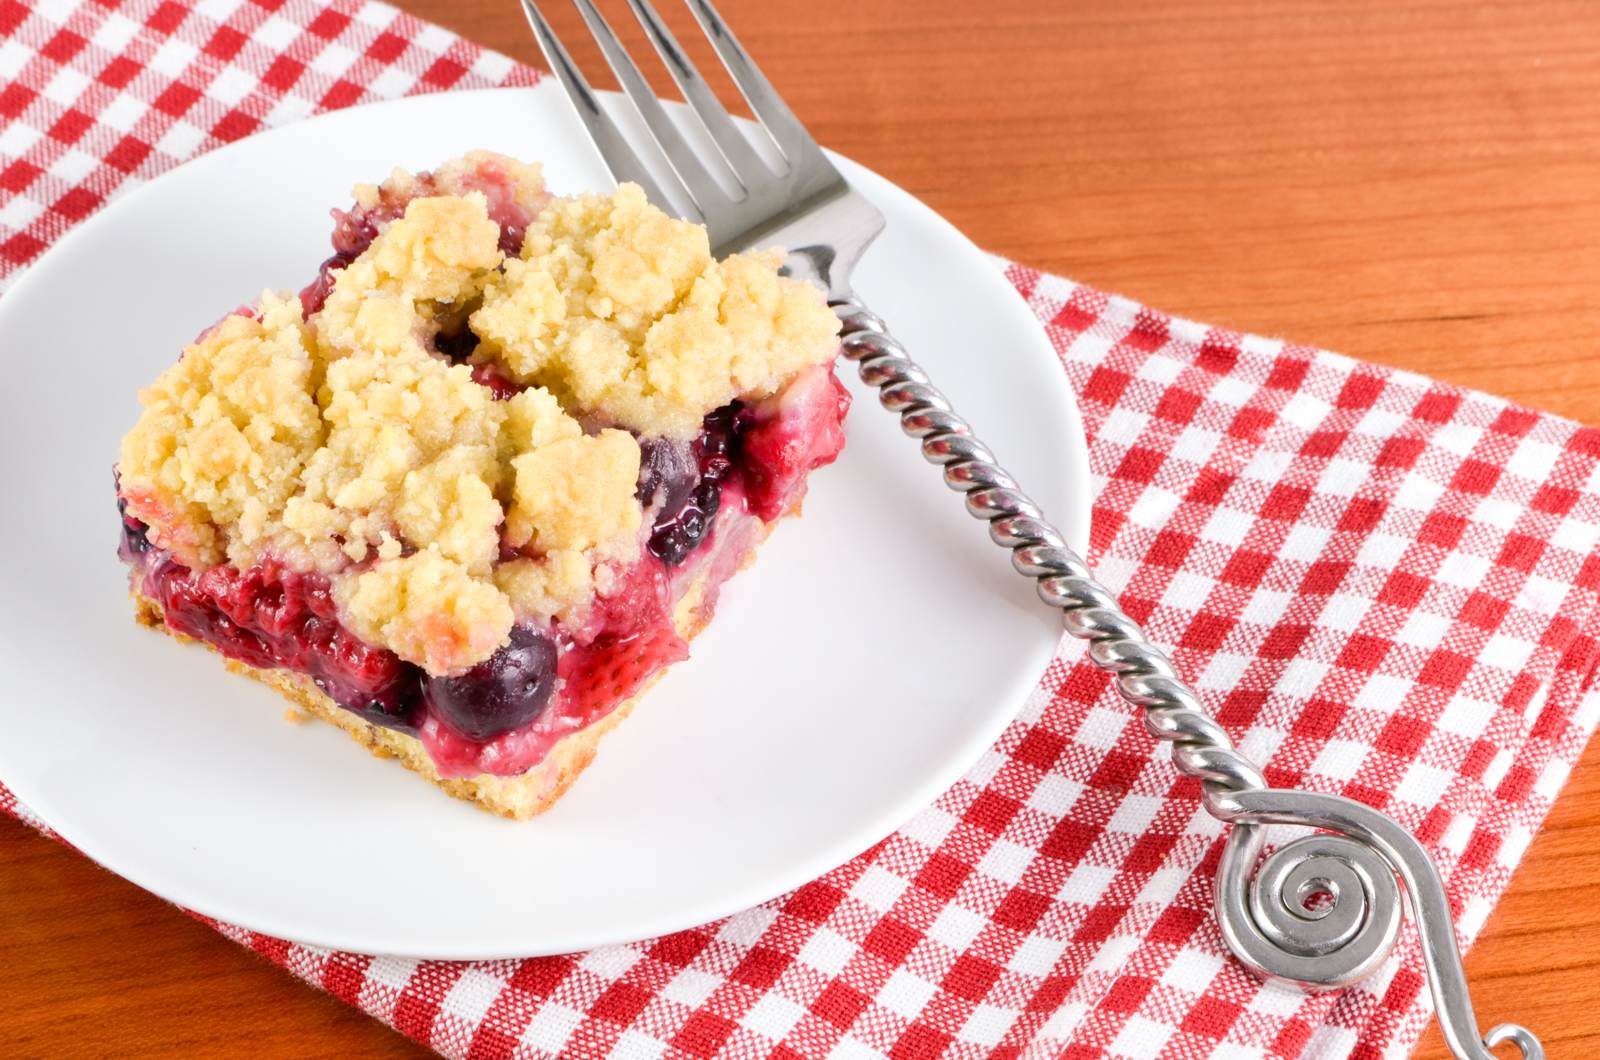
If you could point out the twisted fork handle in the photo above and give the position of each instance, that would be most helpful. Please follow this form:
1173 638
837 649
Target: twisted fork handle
1268 920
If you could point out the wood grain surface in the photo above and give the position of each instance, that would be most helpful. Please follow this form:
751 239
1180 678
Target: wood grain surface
1415 184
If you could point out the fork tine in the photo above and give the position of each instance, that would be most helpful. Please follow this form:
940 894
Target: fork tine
736 150
625 165
702 187
785 129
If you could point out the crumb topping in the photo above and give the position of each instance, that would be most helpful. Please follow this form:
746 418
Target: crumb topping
399 427
225 433
427 609
621 311
576 494
558 585
347 444
509 181
389 299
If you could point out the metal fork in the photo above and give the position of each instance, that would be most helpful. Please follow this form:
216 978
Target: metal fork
1269 919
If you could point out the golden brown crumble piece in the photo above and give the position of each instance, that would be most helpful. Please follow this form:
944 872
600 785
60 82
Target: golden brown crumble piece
522 181
576 494
557 585
387 300
427 610
224 435
621 311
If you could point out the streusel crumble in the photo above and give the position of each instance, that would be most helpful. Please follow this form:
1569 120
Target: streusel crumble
469 490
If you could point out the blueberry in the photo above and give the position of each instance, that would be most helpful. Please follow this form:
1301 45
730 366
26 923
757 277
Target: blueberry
392 708
511 235
506 691
698 471
708 497
670 542
677 534
668 472
135 540
719 432
458 346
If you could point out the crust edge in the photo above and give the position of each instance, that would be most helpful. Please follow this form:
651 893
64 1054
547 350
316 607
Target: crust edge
517 797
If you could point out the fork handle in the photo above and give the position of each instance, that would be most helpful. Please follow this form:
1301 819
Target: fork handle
1264 919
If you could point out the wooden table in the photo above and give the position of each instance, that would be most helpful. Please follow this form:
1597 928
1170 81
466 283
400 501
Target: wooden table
1414 184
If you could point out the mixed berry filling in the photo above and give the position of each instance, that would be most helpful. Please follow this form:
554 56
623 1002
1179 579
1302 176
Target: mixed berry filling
504 714
273 618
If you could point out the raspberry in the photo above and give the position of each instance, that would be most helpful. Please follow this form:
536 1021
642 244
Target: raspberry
794 433
269 618
500 385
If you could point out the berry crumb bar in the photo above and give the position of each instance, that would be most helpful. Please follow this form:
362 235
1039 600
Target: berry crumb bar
479 482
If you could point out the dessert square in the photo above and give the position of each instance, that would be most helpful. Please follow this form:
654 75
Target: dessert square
472 489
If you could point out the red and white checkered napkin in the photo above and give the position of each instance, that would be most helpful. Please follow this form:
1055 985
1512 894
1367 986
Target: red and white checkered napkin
1385 587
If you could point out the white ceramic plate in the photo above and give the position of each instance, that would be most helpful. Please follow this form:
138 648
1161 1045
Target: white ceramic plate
874 651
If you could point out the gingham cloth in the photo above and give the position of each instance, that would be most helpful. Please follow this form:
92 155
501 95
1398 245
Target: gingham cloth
1384 586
